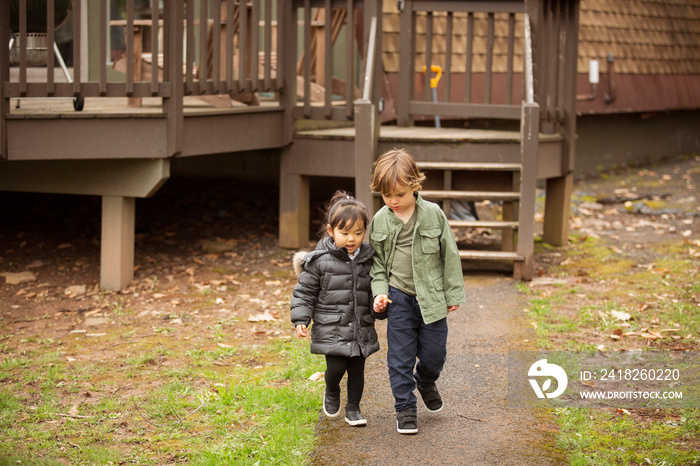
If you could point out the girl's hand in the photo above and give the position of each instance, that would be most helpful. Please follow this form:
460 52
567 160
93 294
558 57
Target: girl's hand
301 331
452 308
381 301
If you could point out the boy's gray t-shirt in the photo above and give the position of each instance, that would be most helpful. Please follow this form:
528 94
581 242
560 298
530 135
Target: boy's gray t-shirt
401 273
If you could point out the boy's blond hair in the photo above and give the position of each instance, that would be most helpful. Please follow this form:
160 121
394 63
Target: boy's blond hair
396 168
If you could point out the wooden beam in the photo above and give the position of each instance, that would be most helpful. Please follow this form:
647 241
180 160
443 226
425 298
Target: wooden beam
125 177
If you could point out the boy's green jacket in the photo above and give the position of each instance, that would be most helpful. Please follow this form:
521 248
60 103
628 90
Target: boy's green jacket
437 267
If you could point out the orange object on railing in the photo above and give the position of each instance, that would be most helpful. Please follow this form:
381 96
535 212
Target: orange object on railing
435 80
433 86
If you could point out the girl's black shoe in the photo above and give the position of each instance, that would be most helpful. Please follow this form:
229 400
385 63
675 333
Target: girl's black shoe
355 418
331 404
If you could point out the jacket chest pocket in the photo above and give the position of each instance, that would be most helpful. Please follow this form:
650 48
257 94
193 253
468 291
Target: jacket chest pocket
380 239
430 240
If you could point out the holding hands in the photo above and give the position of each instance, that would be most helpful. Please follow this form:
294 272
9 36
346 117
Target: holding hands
381 301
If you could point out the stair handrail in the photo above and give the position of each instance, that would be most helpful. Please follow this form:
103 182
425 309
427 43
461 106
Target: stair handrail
529 147
369 66
367 121
529 76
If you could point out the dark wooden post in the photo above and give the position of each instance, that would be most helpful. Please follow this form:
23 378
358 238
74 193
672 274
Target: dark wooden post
367 122
4 73
366 135
295 204
528 180
172 105
287 62
555 91
407 45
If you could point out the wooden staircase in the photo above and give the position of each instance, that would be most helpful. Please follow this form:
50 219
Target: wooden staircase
535 99
507 225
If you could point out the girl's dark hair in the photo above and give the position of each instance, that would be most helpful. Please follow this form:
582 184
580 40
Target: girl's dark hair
343 211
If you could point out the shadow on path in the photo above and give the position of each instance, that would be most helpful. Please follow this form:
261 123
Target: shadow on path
476 427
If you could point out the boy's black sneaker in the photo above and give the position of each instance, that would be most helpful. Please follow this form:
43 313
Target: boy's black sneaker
331 404
407 422
431 397
355 418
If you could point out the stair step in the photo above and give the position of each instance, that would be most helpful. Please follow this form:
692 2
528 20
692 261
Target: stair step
483 224
491 255
471 166
471 195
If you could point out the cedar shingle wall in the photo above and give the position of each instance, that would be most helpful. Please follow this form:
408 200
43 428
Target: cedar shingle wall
459 41
644 37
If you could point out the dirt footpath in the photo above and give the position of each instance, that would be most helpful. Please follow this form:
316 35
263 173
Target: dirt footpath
476 427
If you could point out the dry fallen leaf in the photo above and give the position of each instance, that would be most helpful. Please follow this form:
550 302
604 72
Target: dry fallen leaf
621 315
317 377
266 316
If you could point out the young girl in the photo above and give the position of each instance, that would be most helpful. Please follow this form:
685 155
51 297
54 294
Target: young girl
334 291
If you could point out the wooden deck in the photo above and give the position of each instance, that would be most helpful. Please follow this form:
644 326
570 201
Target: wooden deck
391 133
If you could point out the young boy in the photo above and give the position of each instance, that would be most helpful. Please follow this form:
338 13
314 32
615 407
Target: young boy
416 280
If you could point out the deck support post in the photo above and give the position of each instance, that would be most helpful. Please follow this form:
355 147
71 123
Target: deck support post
295 201
556 209
117 248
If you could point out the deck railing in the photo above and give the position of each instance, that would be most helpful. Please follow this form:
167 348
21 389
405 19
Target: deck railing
477 45
330 65
248 50
228 49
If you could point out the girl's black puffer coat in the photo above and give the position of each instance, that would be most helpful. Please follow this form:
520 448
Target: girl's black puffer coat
335 292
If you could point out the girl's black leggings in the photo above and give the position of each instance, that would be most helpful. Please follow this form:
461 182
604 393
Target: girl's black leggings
336 367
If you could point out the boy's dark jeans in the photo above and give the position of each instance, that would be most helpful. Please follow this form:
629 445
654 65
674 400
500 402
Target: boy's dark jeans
408 338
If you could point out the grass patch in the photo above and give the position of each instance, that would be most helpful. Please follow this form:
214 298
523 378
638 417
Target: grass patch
176 402
596 437
599 281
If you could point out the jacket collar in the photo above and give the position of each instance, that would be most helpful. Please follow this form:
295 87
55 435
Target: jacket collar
327 244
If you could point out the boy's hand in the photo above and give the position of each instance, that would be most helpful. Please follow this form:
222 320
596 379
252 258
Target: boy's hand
452 308
381 301
301 331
